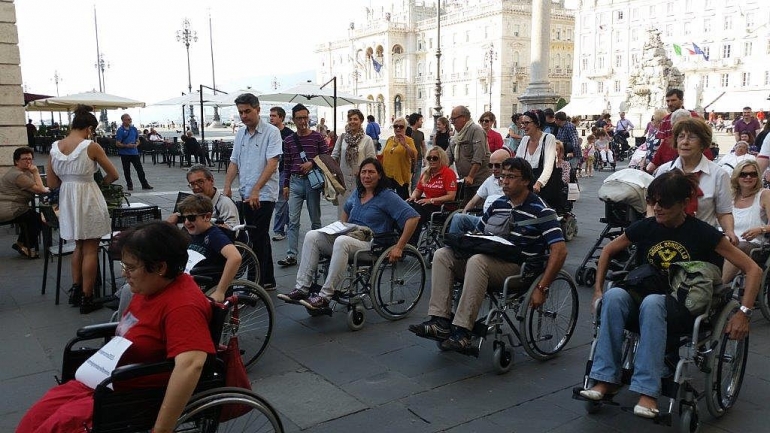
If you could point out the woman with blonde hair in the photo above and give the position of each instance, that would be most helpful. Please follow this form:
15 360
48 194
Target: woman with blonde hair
397 156
437 185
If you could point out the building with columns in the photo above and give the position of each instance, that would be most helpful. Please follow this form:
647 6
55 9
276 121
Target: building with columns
12 131
390 57
721 48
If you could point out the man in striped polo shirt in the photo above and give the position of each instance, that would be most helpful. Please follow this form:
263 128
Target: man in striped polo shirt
480 271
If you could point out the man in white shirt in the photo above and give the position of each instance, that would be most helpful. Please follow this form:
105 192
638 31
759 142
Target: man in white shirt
489 191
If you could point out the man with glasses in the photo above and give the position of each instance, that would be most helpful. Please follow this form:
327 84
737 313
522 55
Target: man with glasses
489 191
470 150
201 181
281 218
296 186
127 142
254 160
480 271
746 124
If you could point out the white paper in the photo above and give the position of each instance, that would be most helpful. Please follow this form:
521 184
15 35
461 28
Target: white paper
101 364
193 258
336 228
497 239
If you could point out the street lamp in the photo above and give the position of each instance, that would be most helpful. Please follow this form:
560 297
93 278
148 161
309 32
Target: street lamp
187 36
56 79
275 84
213 80
490 57
437 109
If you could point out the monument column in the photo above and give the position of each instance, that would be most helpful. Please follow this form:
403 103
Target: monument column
12 131
538 93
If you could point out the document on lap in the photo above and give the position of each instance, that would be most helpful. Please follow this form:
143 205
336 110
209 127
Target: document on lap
492 238
101 364
337 228
193 258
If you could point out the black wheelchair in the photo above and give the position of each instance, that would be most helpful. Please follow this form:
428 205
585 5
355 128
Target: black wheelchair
432 234
760 255
372 282
707 350
213 406
543 331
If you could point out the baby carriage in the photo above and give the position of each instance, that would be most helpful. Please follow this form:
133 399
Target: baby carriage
623 194
567 219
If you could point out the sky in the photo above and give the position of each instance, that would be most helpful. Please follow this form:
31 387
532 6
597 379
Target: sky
253 42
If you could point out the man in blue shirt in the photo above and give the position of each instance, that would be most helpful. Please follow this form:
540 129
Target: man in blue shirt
480 271
256 150
373 130
127 142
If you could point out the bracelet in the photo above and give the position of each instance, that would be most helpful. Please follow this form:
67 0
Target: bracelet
762 228
431 201
543 289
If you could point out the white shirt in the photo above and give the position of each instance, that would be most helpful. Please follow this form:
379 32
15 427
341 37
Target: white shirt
764 151
490 190
717 197
730 161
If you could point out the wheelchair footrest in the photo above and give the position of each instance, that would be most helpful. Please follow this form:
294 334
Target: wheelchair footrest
319 312
661 418
608 398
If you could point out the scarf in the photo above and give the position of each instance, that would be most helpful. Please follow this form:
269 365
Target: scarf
352 139
460 136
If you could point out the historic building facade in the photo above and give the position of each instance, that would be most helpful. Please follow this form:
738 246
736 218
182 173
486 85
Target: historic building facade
390 58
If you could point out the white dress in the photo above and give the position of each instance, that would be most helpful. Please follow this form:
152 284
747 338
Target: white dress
83 212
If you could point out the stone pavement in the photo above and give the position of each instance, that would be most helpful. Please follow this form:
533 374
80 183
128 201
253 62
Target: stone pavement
324 378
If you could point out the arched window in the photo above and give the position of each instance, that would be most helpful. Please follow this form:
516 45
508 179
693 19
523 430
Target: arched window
515 58
398 68
420 69
397 109
398 49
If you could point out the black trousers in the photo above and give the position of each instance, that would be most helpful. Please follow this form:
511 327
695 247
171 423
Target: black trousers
29 228
127 160
260 237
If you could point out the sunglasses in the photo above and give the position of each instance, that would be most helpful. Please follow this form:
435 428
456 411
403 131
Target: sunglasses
192 217
525 122
432 158
662 202
398 126
745 174
494 165
486 120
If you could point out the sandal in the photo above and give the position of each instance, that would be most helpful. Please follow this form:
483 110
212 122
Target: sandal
437 328
459 341
24 251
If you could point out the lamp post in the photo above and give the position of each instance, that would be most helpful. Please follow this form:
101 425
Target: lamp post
100 65
56 79
213 80
275 84
187 36
489 57
437 109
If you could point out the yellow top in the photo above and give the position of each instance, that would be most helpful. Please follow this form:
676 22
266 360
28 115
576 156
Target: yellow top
396 161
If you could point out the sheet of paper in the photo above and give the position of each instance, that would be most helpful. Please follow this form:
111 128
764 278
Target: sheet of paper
193 258
336 228
101 364
493 238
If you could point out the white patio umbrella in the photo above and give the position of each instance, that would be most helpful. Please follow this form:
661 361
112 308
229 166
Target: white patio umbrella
312 94
228 99
98 100
194 98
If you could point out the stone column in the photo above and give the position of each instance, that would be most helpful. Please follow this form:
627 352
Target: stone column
12 130
538 93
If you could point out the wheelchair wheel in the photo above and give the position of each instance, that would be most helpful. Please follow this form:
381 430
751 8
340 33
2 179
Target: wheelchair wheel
579 276
228 410
688 420
249 269
569 227
426 247
589 277
763 299
396 288
548 328
502 357
255 322
356 318
727 365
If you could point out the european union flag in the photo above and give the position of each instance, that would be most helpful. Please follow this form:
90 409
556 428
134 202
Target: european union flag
377 65
699 51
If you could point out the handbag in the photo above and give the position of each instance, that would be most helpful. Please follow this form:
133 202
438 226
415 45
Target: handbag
552 191
235 374
644 280
315 176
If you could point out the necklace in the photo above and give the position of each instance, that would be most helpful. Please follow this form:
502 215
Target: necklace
746 197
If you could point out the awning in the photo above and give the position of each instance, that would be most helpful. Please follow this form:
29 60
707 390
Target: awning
585 106
733 101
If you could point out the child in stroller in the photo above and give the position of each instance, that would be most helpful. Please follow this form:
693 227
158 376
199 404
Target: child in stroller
605 155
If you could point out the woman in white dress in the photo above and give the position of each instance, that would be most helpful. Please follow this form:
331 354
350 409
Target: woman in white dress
350 150
539 149
83 214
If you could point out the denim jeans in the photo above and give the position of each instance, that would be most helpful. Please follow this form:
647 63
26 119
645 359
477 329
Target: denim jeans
340 249
463 223
281 218
618 309
299 192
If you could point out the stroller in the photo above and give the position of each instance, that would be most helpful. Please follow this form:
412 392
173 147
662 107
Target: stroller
623 194
567 219
620 146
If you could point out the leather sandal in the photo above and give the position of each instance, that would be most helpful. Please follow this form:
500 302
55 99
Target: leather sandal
432 329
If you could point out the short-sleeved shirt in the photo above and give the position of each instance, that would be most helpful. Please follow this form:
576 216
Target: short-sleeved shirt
382 213
764 151
714 183
285 132
15 193
439 184
312 144
396 161
490 191
210 244
661 246
750 128
251 153
532 238
128 135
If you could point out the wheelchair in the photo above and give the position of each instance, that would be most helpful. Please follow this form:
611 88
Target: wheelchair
372 282
760 255
706 350
213 406
432 234
543 331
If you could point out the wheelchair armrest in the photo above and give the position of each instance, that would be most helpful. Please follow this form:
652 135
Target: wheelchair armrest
100 330
204 280
616 275
133 371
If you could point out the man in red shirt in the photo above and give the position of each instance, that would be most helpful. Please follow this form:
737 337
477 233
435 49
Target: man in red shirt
666 151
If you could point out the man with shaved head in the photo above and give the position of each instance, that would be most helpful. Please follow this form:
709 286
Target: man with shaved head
488 192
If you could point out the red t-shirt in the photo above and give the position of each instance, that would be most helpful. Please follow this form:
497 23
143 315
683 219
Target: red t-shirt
439 184
494 140
666 151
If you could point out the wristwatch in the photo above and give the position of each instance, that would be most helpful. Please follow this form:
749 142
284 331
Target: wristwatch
746 311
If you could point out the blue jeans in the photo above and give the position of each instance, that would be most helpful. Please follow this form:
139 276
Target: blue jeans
463 223
618 309
299 191
281 218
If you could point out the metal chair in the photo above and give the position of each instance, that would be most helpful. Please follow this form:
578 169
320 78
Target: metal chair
124 219
51 223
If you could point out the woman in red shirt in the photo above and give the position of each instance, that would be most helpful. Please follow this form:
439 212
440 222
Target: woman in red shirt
437 185
494 139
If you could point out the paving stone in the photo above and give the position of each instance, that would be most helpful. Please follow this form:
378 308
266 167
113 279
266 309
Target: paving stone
383 388
389 418
336 363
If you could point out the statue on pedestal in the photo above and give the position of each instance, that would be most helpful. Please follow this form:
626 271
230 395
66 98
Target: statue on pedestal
652 77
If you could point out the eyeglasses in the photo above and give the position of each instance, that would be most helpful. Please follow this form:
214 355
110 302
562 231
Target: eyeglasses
525 122
494 165
690 138
662 202
128 270
452 119
195 183
398 126
486 120
432 158
26 159
509 176
745 174
300 118
192 217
